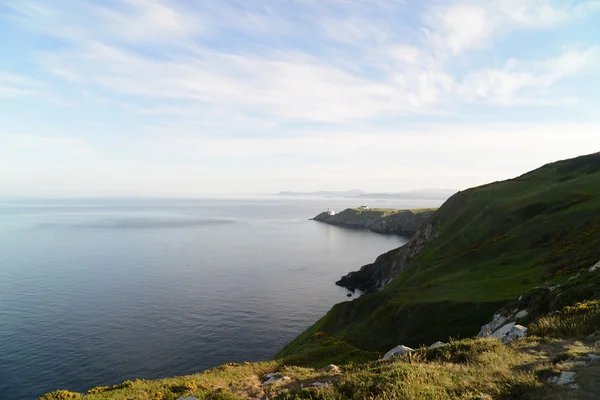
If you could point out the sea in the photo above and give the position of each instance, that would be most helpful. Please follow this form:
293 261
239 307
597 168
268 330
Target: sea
95 291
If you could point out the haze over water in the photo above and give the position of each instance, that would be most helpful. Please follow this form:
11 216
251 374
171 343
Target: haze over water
97 291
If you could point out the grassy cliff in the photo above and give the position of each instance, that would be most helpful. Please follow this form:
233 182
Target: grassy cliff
380 220
490 244
503 245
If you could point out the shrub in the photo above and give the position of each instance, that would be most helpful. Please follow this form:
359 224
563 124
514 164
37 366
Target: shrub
60 395
572 321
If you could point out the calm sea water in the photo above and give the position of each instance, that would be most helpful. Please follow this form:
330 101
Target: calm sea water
97 291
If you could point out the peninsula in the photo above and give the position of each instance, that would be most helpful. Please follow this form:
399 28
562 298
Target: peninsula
379 220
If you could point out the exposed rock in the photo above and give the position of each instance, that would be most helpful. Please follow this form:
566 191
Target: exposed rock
497 321
521 314
187 398
577 363
274 377
402 222
565 378
319 384
510 332
594 336
574 277
374 277
331 368
520 298
437 344
595 267
397 351
593 356
551 288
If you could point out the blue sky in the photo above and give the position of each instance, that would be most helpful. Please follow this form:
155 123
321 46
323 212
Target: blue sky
190 97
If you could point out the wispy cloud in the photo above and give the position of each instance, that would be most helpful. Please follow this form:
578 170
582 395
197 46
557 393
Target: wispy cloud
338 82
14 85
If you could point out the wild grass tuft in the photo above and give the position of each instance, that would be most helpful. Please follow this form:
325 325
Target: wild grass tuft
575 321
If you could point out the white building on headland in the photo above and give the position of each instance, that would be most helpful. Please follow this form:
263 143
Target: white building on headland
330 211
364 207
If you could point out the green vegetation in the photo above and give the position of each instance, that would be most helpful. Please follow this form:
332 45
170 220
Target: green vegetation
463 369
498 245
384 212
575 321
494 243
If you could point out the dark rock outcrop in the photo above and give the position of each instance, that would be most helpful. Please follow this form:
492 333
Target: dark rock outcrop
373 277
400 222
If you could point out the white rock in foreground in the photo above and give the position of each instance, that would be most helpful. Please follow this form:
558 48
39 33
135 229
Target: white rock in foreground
593 356
510 332
319 384
331 368
437 344
273 377
521 314
565 378
497 321
595 267
397 351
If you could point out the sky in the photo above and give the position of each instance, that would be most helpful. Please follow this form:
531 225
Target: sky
197 97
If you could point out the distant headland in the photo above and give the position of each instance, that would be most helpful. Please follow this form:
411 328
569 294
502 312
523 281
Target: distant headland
379 220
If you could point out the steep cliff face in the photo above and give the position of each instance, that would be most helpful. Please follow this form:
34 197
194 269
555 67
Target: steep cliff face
400 222
374 277
482 249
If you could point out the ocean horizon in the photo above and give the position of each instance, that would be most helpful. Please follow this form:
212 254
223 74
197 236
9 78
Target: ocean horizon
95 291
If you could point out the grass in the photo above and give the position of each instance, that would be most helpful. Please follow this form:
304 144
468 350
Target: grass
463 369
575 321
389 211
493 244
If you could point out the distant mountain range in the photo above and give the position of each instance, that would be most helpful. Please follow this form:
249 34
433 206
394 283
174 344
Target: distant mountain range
428 194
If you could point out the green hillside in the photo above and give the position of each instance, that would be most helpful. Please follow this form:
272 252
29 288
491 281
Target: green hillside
494 243
496 246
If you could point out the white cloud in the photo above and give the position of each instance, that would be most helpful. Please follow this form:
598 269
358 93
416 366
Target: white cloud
16 85
463 25
507 85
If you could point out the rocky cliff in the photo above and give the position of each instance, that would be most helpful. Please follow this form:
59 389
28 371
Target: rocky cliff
373 277
381 220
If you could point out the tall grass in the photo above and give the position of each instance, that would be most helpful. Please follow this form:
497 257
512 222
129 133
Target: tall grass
575 321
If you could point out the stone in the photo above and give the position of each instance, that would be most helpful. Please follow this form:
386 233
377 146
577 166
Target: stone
188 398
576 363
319 384
509 333
332 368
595 267
274 377
487 329
522 314
437 344
551 288
520 298
397 351
594 336
565 378
593 356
